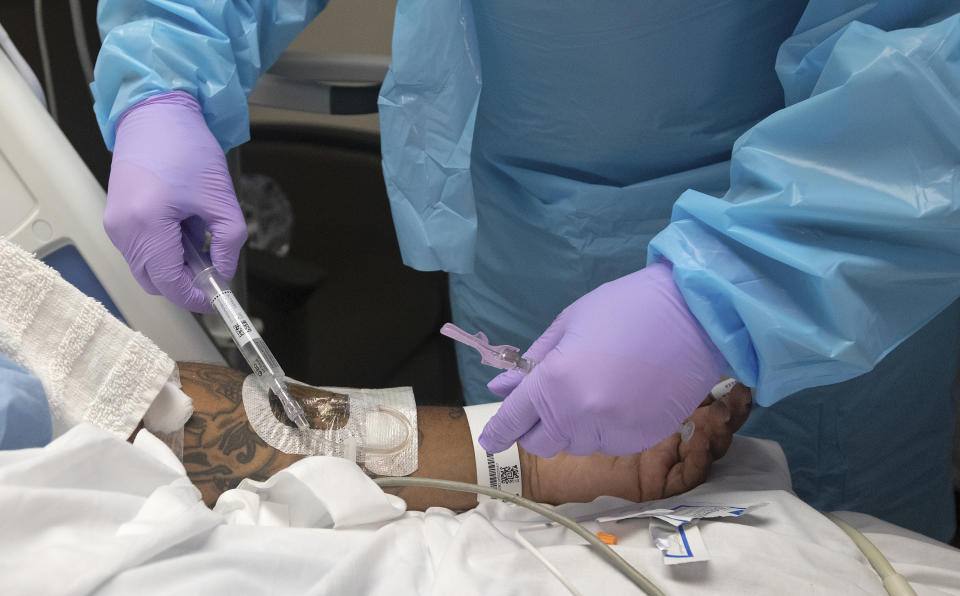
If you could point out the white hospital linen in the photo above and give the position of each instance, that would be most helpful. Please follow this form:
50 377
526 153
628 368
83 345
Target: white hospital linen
92 513
93 367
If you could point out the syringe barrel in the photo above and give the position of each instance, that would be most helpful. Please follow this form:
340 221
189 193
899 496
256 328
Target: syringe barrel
255 351
238 323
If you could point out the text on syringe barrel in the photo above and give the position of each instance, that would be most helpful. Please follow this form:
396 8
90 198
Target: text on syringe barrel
240 327
245 335
260 359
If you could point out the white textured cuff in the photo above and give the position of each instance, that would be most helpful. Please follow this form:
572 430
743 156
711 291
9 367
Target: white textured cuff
93 367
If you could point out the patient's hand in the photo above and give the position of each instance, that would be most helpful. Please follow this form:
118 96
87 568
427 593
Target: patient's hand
220 449
669 468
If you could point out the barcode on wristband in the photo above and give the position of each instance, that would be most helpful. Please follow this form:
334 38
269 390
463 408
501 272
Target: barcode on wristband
501 476
492 471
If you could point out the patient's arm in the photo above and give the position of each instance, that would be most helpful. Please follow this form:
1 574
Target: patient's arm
221 448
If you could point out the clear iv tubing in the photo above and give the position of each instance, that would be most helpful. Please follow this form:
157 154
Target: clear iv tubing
403 444
251 345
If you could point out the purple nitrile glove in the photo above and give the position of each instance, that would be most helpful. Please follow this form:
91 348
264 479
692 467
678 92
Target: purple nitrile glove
619 371
169 178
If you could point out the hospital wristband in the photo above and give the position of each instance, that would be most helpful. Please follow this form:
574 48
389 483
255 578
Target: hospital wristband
496 470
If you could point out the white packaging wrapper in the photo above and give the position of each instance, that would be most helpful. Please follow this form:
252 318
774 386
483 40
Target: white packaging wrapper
377 428
678 544
684 514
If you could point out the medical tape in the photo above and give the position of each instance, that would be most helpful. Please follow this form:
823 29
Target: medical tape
496 470
376 428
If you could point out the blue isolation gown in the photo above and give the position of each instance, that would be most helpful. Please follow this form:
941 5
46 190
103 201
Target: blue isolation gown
535 150
24 411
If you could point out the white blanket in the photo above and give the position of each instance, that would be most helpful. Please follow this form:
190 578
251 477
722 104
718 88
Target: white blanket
91 513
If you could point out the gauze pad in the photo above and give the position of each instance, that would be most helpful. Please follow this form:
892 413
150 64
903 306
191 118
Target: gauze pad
377 428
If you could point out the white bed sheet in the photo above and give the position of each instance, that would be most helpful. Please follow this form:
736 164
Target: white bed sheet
91 513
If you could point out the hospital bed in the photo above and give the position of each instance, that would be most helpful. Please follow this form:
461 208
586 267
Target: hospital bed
52 206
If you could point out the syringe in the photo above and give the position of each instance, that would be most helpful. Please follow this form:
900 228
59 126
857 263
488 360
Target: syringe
508 358
251 345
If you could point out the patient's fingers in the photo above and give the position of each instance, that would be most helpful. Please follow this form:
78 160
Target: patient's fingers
666 469
655 465
720 420
739 401
716 420
693 467
720 410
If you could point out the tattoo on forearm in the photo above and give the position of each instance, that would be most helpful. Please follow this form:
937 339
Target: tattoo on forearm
220 448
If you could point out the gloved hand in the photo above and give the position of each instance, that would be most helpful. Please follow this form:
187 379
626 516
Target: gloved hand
168 178
619 371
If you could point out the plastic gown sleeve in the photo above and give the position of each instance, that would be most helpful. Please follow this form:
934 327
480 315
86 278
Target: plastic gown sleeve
24 411
428 108
213 49
840 234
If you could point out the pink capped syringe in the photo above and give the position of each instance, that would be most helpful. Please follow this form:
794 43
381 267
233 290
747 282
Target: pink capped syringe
503 357
508 358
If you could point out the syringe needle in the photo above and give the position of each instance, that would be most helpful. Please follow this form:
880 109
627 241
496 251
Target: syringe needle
291 407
